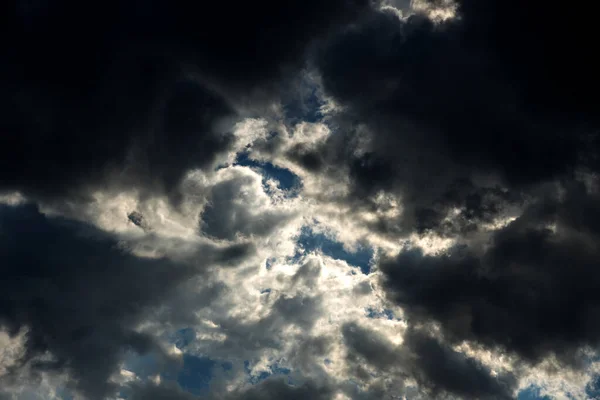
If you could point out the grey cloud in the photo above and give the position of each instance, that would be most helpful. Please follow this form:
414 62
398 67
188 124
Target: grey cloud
530 291
375 349
466 121
79 295
308 350
238 206
270 389
277 388
233 255
469 117
300 310
438 369
193 296
308 273
244 339
442 369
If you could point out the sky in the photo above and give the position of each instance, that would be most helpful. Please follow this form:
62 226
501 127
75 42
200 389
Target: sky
302 199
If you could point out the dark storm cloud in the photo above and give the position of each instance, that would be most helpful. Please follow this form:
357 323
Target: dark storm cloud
79 295
502 90
136 91
477 113
531 291
437 368
474 113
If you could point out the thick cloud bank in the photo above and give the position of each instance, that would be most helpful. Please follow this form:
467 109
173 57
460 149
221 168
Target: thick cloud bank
331 200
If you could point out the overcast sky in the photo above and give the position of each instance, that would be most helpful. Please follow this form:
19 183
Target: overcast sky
300 199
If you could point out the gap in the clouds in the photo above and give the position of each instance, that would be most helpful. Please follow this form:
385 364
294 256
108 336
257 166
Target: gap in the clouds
274 370
197 371
270 261
386 313
531 393
289 182
184 337
196 374
143 365
193 375
592 389
309 240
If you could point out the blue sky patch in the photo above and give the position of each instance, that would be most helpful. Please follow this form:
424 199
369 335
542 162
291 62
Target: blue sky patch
184 337
531 393
287 180
310 241
193 376
386 313
592 389
196 374
143 366
270 261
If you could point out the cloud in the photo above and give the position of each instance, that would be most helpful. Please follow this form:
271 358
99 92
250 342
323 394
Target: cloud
350 199
437 368
277 389
457 119
457 113
146 92
270 389
238 205
79 296
529 290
